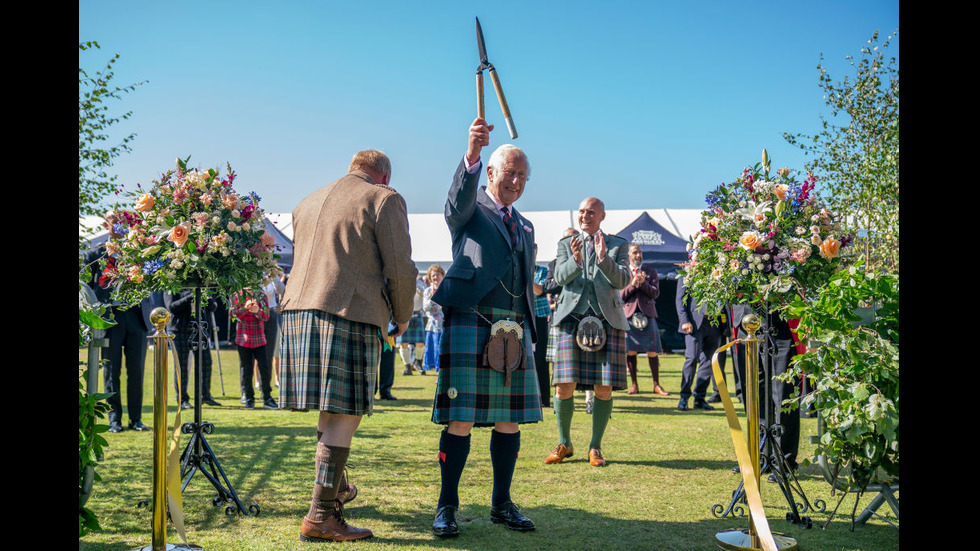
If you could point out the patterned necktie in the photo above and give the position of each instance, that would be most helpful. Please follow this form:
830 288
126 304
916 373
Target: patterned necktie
511 224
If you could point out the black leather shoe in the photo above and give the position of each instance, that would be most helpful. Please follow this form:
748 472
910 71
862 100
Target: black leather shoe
388 397
250 403
714 399
703 405
115 426
138 425
445 525
682 405
185 405
270 403
511 516
210 401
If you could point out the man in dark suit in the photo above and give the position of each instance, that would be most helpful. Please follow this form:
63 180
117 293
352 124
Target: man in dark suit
591 269
702 336
489 284
180 307
127 337
640 307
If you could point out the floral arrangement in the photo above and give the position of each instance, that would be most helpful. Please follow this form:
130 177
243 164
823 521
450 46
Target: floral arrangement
764 240
191 228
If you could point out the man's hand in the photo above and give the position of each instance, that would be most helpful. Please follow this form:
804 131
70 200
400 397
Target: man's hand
600 246
402 327
687 328
479 137
639 278
576 245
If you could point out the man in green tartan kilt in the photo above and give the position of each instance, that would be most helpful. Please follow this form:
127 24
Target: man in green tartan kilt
591 348
352 275
487 297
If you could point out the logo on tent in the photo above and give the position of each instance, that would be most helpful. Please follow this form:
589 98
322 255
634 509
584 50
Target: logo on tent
647 237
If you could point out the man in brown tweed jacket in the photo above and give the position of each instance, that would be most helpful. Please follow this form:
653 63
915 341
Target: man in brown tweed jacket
352 275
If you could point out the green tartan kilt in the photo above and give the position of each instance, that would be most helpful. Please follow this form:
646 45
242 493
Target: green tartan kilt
415 334
605 367
480 396
327 363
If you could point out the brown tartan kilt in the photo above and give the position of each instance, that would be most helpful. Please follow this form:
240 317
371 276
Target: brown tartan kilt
606 367
481 397
327 363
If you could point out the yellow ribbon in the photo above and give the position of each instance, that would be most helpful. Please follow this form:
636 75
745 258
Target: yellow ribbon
749 478
174 496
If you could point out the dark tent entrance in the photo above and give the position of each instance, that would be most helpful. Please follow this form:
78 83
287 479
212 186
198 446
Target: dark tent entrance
662 250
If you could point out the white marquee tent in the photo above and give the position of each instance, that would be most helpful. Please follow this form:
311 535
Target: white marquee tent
431 243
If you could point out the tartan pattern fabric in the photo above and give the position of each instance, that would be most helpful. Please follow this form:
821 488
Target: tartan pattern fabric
250 329
552 340
645 340
606 367
415 334
327 363
511 224
541 308
481 397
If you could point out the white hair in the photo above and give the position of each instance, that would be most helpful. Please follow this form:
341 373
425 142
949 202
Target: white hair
502 152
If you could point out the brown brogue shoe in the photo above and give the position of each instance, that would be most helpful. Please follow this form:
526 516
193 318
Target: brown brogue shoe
595 458
660 390
560 453
633 389
334 528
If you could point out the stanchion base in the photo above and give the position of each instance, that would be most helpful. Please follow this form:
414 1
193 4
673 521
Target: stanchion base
739 540
173 547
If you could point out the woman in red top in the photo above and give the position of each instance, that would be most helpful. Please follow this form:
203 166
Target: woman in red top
251 309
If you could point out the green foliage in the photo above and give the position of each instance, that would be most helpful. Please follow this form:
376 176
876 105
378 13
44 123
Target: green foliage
94 120
855 372
857 160
91 407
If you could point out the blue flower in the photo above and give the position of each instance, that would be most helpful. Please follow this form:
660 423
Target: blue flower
152 266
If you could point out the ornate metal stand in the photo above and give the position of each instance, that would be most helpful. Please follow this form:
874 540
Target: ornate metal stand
198 454
772 461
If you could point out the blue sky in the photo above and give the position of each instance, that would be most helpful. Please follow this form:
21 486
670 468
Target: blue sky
642 104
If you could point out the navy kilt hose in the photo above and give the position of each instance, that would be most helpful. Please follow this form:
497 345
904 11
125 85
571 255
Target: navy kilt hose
415 334
480 395
644 340
606 367
327 363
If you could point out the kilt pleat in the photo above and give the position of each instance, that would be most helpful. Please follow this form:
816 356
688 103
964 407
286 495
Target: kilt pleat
605 367
327 363
552 342
480 396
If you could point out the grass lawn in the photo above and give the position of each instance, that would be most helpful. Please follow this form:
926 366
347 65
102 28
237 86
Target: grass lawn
666 471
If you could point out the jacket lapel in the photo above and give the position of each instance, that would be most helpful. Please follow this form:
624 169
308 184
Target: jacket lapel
486 202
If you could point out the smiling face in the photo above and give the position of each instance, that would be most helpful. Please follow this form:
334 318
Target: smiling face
636 256
591 213
506 180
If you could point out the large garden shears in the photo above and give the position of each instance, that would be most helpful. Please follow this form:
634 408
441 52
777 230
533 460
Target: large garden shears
485 64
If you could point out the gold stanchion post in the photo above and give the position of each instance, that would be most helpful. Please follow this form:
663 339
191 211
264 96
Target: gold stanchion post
750 540
160 317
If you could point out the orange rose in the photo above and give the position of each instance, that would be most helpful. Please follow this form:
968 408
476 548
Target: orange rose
750 240
180 233
145 203
830 248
